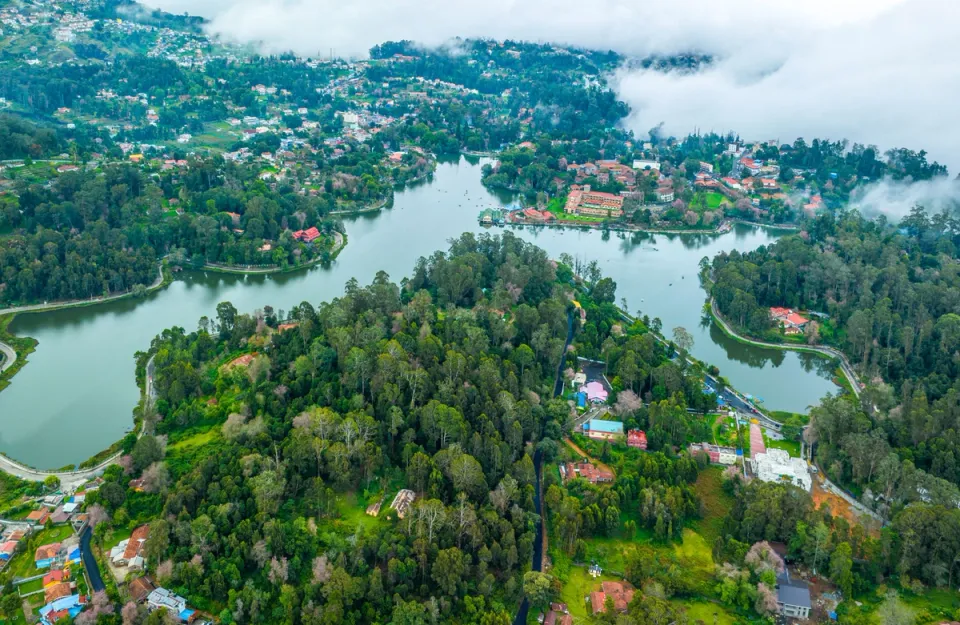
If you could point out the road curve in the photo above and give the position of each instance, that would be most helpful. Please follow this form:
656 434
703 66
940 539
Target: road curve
845 366
70 480
9 357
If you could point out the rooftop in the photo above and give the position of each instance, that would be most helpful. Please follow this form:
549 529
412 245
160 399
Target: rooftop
599 425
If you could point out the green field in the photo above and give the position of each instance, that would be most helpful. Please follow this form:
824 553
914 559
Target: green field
577 586
353 510
195 440
791 447
716 503
705 611
714 199
31 586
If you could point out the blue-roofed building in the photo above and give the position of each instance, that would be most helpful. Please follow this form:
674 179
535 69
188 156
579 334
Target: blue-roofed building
598 429
581 400
65 606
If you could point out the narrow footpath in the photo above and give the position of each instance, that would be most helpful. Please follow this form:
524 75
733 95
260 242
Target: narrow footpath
845 365
70 480
82 302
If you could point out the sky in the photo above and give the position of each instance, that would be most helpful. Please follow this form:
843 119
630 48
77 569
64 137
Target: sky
880 72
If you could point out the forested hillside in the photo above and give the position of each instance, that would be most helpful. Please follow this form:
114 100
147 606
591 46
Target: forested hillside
95 232
892 300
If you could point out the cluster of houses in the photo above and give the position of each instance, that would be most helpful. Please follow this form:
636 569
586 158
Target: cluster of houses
54 509
10 540
619 593
61 599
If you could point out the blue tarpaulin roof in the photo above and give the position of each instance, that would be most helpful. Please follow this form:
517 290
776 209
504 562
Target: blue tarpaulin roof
599 425
186 614
581 399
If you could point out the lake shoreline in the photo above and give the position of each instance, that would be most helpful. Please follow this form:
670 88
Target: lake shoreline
244 271
93 406
821 350
722 228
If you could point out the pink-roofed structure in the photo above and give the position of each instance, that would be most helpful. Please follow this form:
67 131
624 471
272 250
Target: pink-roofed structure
595 392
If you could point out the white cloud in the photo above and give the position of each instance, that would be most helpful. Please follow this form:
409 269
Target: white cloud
896 199
874 71
891 80
629 26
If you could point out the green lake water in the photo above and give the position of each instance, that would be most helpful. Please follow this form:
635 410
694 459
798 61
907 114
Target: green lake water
75 396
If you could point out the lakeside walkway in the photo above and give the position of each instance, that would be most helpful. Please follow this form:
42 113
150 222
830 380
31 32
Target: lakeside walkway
830 352
82 302
70 480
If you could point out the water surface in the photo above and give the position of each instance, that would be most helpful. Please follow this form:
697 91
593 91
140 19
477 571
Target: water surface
76 394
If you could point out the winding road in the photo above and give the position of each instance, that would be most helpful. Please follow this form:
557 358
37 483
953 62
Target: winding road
830 352
9 357
70 480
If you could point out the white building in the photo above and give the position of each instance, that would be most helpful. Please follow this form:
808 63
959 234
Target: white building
776 465
641 163
163 598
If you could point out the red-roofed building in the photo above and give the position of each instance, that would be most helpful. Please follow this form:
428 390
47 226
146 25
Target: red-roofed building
39 517
54 577
307 236
587 471
793 323
583 201
637 439
620 592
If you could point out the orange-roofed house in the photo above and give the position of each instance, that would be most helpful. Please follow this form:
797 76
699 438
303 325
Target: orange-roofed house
57 591
620 592
47 555
39 517
55 577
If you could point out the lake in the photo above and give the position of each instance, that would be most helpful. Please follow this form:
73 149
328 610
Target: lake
75 396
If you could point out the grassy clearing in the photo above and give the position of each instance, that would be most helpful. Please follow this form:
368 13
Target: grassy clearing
31 586
705 611
694 553
197 440
714 199
715 503
353 510
791 447
577 586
